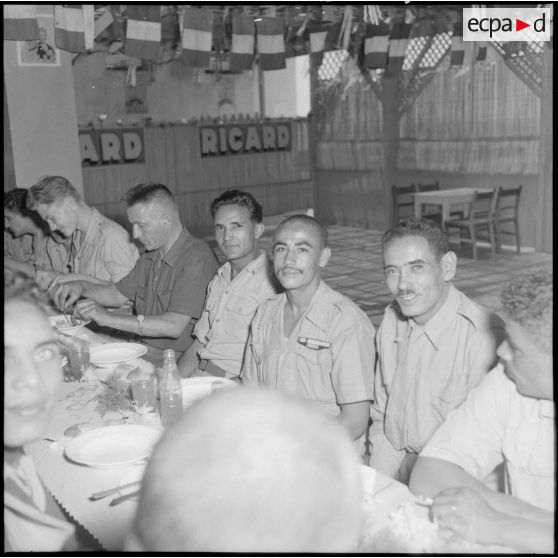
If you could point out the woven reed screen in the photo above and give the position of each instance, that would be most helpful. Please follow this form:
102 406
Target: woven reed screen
485 120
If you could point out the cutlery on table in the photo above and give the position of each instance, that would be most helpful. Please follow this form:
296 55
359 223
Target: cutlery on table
110 491
68 319
123 498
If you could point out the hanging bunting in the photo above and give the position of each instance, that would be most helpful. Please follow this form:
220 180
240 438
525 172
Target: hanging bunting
376 44
197 37
457 46
143 31
20 22
398 41
242 51
296 41
271 44
70 23
323 38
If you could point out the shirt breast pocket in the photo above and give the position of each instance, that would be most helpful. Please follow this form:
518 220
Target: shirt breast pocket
242 305
163 298
314 373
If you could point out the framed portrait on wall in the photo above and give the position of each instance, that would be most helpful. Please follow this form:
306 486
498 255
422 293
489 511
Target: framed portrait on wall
41 51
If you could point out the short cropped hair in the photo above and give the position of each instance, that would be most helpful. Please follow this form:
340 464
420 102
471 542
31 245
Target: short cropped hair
527 300
425 228
237 197
148 192
49 189
308 220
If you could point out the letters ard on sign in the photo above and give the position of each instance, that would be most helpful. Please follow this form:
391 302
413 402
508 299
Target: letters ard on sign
241 139
111 147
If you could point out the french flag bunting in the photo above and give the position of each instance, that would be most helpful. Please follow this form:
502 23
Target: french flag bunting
457 55
376 45
143 31
242 50
398 41
20 22
271 44
197 37
70 26
323 38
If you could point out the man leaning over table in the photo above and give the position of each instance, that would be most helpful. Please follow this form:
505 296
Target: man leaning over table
434 345
100 251
239 286
312 342
167 285
509 418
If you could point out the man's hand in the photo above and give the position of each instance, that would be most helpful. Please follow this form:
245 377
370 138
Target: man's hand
92 311
65 295
465 512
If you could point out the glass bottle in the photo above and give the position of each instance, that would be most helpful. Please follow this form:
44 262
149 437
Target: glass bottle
170 390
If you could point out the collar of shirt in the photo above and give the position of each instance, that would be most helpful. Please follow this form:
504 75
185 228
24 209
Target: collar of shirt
253 267
171 257
78 238
436 327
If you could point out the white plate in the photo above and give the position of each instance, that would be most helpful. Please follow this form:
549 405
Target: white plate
61 324
113 446
200 387
114 353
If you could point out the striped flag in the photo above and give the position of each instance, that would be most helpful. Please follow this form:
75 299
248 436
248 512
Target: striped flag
70 26
20 22
457 54
242 50
197 37
323 38
271 44
398 41
376 44
143 31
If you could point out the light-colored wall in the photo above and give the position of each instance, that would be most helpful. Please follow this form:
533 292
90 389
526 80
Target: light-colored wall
176 92
42 118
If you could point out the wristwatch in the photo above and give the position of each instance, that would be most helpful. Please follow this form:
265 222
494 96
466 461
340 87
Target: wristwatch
140 318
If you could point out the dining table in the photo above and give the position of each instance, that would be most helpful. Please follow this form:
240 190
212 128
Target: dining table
448 200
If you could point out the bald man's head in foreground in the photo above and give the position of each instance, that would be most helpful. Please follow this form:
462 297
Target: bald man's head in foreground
249 470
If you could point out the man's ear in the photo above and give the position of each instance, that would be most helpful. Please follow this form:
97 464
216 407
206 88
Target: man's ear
324 256
259 229
449 265
165 217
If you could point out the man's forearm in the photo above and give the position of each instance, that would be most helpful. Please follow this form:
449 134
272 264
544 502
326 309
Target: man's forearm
355 417
104 293
524 535
188 362
171 325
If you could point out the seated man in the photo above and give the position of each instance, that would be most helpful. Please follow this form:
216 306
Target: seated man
235 292
33 521
248 470
101 249
509 418
311 341
167 285
30 247
434 345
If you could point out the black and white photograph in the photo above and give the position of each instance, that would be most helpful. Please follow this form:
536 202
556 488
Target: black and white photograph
278 279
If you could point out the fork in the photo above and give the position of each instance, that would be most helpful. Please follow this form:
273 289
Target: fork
68 319
123 498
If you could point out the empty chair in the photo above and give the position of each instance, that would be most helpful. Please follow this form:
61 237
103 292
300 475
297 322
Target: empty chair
481 216
428 187
507 213
402 201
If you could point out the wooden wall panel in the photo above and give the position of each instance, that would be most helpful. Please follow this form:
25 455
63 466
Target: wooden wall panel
281 181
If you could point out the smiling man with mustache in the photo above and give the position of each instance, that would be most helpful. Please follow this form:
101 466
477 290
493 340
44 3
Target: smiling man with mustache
312 342
434 345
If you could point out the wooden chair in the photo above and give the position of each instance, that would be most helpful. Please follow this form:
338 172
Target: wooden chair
480 216
507 213
402 201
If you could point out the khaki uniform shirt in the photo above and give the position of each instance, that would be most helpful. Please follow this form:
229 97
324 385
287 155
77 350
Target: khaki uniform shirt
105 251
496 423
328 360
423 372
229 308
174 283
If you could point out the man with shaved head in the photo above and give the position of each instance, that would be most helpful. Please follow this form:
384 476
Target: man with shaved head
312 342
250 470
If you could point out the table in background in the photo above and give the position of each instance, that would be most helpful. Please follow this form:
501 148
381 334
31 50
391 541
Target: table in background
445 199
